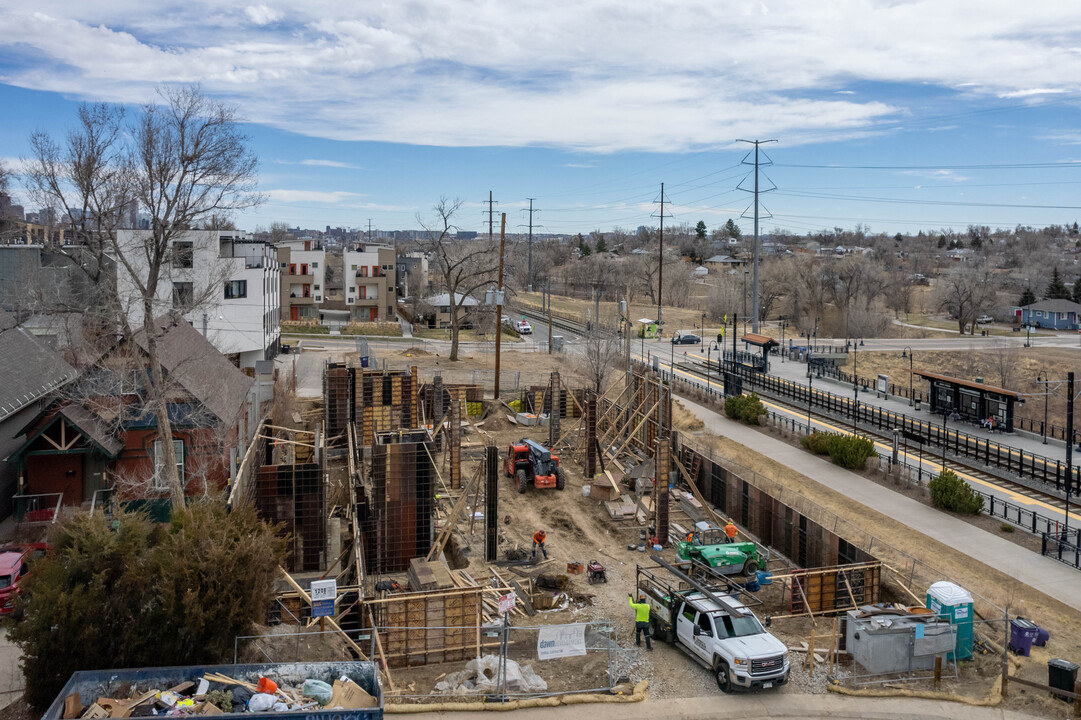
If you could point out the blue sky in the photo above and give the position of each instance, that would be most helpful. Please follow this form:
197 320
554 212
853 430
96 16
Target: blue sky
899 115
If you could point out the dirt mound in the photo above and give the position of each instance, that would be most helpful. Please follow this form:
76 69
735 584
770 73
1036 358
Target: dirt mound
559 519
417 351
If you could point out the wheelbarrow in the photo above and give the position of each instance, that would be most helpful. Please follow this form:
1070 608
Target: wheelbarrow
596 573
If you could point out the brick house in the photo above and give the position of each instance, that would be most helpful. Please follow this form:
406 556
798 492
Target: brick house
101 433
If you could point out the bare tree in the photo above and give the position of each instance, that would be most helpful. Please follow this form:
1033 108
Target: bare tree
463 268
964 293
1003 358
184 162
602 351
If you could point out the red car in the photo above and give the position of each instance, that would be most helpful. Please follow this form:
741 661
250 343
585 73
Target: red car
14 566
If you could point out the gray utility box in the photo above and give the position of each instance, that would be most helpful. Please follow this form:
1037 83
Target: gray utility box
886 642
92 684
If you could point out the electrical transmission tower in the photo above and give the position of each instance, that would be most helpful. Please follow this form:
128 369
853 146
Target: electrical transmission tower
757 163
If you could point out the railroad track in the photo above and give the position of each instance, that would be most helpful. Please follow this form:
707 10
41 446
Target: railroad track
931 455
539 319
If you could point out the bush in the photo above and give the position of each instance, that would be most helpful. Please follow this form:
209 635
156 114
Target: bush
850 451
817 442
128 592
745 408
950 492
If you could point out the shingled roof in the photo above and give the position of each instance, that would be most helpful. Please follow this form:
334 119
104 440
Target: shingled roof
30 371
196 365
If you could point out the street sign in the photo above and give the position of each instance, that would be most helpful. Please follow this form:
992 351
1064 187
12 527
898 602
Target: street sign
323 593
506 603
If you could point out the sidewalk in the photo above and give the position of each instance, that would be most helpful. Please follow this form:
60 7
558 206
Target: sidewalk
797 372
1044 574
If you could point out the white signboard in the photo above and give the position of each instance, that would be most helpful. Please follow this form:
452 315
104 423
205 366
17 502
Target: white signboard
506 603
883 383
561 641
323 594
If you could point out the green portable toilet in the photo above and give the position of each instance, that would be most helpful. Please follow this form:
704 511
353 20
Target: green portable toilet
954 603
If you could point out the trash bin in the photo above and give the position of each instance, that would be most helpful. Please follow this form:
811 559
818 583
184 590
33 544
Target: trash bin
1022 633
954 603
1061 675
285 349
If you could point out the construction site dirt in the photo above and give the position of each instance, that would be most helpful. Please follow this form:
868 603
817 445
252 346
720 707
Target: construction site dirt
579 530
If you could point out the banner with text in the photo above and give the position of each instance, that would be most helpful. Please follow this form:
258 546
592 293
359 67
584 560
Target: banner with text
561 641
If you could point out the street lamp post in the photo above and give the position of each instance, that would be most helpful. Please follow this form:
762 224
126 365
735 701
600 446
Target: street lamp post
907 353
1046 394
709 352
1028 334
784 324
810 394
855 389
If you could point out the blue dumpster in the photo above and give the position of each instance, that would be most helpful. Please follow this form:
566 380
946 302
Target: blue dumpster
1022 634
92 684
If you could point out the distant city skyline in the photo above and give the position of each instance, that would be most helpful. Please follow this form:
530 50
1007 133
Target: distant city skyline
898 116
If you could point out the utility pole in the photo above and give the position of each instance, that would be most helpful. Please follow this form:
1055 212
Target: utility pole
754 283
369 229
530 273
499 305
1069 453
660 264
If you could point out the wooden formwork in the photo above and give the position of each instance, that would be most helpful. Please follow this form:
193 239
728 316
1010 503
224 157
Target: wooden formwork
428 628
826 590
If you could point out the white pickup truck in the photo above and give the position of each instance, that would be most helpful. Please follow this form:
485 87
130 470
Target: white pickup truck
727 638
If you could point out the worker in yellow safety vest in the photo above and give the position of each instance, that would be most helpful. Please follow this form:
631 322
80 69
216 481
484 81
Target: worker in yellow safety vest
641 619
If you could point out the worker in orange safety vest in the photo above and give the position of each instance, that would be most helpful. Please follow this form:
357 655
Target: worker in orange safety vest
538 542
730 531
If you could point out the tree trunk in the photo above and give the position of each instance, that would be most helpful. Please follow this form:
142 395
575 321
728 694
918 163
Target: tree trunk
161 410
453 330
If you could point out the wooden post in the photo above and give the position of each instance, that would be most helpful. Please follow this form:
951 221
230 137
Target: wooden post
938 671
833 646
811 654
1077 699
1006 654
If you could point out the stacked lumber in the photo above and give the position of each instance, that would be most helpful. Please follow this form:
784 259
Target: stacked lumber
489 596
424 575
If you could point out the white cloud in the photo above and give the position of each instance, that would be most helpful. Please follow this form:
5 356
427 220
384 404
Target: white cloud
309 196
262 15
329 163
936 175
579 165
458 73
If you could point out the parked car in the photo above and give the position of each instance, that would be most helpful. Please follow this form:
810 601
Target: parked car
15 563
524 328
686 339
984 319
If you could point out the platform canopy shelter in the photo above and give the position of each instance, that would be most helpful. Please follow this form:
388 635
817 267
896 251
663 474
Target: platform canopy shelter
764 342
973 401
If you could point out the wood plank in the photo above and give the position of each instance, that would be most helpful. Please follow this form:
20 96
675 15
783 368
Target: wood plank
527 603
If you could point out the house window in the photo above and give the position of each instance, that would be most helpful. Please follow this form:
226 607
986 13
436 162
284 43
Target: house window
292 268
183 254
303 268
363 271
354 267
235 289
307 244
285 264
307 291
183 295
363 292
160 482
375 271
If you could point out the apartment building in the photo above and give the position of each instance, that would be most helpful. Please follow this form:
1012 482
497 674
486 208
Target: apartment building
224 282
370 288
302 263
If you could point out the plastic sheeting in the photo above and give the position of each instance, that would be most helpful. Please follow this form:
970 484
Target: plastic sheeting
481 676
